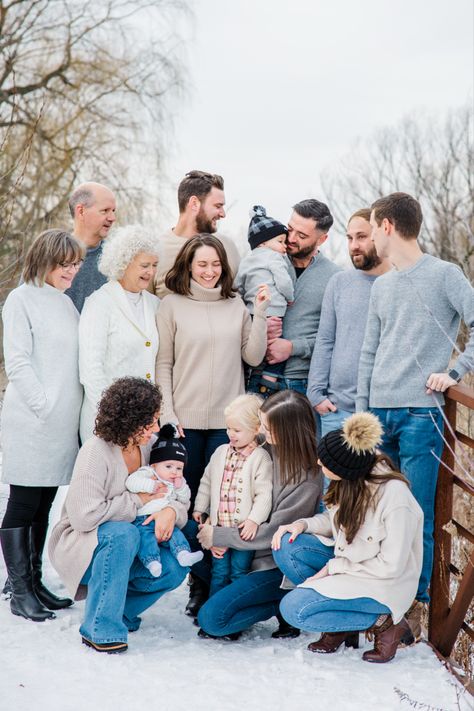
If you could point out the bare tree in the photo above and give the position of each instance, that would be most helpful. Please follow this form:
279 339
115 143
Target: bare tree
432 159
85 93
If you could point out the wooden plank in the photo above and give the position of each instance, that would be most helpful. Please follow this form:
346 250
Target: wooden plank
462 394
439 588
463 484
468 630
455 618
465 439
464 532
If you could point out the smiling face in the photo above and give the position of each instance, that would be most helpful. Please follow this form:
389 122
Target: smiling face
146 433
206 268
139 272
239 436
61 277
304 237
361 247
94 222
210 211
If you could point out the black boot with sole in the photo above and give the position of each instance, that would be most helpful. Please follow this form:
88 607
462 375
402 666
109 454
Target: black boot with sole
198 595
16 552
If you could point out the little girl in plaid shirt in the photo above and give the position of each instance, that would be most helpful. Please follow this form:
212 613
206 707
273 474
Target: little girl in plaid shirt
236 489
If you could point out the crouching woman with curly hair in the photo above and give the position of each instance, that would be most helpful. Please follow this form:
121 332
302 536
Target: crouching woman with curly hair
94 546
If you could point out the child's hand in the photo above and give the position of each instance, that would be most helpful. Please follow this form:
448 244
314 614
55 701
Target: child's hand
294 529
218 552
248 530
197 516
262 298
160 489
178 482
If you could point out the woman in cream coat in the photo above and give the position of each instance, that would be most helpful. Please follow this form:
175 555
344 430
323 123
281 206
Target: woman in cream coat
117 331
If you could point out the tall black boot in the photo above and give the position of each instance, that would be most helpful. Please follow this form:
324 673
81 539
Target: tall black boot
198 595
47 598
16 552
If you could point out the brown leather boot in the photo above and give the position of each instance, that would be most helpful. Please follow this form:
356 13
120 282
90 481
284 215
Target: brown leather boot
331 641
386 639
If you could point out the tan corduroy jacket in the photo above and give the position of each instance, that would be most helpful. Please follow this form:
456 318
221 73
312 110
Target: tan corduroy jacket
203 340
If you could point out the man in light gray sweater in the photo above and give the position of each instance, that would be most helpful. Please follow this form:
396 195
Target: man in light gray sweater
332 381
307 230
414 317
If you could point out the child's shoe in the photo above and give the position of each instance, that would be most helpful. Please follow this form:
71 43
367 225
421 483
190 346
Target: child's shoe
187 559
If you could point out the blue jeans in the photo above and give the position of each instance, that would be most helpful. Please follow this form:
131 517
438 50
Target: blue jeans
232 566
119 587
202 569
410 439
252 598
200 446
149 548
308 609
329 422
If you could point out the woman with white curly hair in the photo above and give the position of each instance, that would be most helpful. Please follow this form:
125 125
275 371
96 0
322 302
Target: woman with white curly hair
117 330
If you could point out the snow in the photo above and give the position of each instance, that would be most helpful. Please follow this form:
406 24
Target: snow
44 666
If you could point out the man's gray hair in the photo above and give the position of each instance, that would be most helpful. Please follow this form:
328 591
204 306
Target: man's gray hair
80 196
123 245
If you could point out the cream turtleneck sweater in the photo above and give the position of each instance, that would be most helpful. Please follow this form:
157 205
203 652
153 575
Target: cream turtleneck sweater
203 340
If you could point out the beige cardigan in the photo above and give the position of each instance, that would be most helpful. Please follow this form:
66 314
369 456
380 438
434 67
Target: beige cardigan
97 494
170 246
254 487
384 559
203 339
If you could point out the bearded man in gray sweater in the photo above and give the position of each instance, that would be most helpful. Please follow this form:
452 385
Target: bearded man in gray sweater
414 316
308 229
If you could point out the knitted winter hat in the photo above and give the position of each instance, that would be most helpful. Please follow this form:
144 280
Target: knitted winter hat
168 447
350 452
263 228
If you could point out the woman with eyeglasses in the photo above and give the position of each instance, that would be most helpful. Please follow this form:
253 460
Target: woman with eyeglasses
40 414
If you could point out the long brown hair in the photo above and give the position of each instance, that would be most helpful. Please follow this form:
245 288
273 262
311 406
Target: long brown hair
178 279
292 427
355 497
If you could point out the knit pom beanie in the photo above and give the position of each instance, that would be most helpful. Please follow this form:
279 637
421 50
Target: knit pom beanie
168 447
263 228
350 452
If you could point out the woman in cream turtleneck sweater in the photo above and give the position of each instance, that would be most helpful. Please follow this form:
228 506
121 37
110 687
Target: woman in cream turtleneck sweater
205 334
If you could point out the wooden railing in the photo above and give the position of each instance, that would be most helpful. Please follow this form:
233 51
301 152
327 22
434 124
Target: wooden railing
446 618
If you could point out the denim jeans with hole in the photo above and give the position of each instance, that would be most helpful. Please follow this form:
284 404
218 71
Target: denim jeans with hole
412 439
119 587
309 610
252 598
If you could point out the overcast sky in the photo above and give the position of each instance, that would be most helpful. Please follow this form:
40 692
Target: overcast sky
279 90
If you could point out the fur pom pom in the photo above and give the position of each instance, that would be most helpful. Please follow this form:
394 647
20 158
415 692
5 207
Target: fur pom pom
258 211
362 432
168 431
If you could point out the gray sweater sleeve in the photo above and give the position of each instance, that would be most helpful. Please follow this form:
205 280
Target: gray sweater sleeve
367 356
318 377
294 500
461 296
281 275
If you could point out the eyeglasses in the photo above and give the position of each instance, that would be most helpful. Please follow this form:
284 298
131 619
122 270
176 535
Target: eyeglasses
73 265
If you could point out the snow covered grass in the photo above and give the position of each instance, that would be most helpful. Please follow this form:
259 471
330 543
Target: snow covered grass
43 666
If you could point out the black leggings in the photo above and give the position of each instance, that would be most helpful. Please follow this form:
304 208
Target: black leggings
27 505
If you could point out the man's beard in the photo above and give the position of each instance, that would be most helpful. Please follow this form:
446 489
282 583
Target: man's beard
204 224
302 254
369 260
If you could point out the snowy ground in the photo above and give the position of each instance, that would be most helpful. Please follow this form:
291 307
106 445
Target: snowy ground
44 667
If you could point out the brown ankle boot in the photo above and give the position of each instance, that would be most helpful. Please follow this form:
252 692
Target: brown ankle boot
331 641
386 639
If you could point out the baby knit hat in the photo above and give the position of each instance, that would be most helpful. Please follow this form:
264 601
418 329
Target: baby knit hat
350 452
167 447
263 228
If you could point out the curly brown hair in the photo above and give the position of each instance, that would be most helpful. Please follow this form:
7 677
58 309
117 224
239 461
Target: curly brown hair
125 409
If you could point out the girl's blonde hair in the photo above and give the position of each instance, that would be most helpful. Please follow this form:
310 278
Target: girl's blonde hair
244 410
